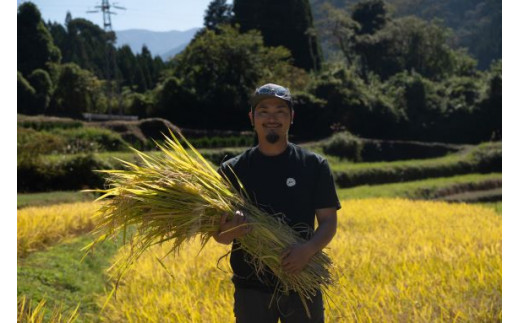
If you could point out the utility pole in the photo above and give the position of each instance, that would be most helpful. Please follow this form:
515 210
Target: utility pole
110 59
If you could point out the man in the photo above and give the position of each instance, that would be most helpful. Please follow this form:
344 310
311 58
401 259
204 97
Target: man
280 177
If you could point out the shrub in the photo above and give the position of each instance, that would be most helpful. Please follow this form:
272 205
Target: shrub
128 130
401 173
139 105
155 128
221 142
344 145
74 172
311 120
47 123
76 90
203 142
219 156
91 139
66 173
484 158
488 156
31 143
391 150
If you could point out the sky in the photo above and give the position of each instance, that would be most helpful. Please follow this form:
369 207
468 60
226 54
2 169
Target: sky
154 15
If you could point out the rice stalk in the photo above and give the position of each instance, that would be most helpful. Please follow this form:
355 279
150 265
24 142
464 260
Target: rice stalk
178 195
28 313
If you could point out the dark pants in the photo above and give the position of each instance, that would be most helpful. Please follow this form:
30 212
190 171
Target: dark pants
252 306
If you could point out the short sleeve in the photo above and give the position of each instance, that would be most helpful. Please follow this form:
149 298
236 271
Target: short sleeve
325 192
225 171
229 172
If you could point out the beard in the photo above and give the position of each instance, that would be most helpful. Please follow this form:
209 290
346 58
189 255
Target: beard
272 137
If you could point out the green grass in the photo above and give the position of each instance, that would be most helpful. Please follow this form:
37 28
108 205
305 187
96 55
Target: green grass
129 155
483 158
411 189
50 198
214 155
341 165
58 276
109 156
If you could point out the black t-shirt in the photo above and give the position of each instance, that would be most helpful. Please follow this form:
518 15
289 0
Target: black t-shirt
295 183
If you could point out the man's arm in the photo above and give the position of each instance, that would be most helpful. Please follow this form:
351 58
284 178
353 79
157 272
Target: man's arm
236 227
298 256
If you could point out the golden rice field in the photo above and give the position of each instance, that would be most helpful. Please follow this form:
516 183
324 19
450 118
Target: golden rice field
395 260
40 227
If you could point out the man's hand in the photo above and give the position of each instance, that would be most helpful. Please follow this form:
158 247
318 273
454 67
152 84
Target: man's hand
232 229
296 258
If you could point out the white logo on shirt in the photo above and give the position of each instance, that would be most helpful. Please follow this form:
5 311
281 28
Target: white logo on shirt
291 182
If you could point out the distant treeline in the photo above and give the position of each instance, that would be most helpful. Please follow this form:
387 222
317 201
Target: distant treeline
392 78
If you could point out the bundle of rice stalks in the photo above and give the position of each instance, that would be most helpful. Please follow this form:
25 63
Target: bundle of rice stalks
178 195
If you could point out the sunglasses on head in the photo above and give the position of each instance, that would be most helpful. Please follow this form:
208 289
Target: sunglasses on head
279 91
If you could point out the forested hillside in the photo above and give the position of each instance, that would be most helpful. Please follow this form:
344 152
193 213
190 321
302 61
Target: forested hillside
475 24
384 74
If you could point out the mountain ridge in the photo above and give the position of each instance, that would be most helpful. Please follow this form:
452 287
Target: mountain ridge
160 43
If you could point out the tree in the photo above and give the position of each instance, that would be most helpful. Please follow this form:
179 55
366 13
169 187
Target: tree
411 44
218 12
311 120
412 93
353 104
222 70
127 66
338 31
75 90
145 70
483 33
490 108
35 47
42 84
88 46
85 44
139 104
372 15
477 24
177 102
285 23
26 96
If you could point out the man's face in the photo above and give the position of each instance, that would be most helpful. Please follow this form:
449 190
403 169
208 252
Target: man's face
272 119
